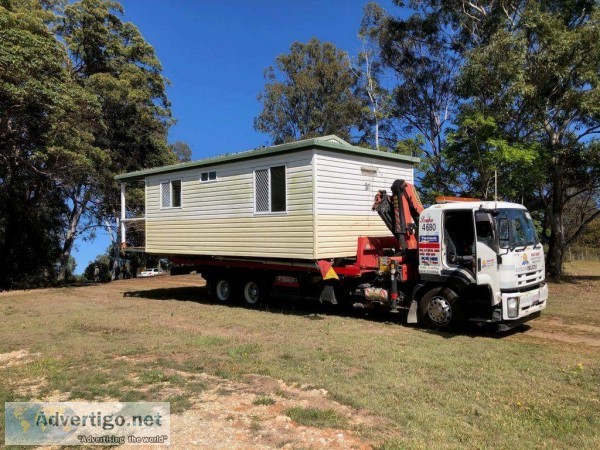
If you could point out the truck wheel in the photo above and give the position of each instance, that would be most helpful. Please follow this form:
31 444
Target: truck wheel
440 309
224 290
254 293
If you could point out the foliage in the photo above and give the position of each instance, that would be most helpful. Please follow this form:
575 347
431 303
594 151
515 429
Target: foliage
103 264
535 71
39 144
377 115
181 150
82 98
477 149
309 93
508 85
112 61
419 53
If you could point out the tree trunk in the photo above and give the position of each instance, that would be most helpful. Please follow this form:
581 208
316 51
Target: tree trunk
556 245
114 239
67 248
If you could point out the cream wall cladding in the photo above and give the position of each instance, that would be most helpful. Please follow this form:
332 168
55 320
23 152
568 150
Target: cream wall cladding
218 218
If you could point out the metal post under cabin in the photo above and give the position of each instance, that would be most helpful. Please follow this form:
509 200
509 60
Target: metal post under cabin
123 213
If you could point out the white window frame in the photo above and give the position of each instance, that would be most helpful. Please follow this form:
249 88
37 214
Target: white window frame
170 181
209 180
270 213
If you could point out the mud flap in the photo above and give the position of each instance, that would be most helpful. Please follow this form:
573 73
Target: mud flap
328 295
412 313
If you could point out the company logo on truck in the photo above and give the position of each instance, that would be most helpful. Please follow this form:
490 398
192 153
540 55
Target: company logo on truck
528 262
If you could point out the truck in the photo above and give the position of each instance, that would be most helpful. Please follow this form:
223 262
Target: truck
459 260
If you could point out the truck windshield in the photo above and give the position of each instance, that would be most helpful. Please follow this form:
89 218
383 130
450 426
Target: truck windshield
515 228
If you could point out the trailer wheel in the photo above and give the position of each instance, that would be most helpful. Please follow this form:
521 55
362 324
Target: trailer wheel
440 309
254 293
224 290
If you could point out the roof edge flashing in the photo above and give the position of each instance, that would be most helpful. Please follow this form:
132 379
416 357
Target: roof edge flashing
329 142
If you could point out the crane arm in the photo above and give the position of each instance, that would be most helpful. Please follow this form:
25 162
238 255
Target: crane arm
400 212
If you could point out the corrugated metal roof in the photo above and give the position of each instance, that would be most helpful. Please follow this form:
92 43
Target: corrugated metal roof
331 142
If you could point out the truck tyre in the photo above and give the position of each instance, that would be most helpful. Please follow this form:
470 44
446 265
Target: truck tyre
440 309
254 293
224 290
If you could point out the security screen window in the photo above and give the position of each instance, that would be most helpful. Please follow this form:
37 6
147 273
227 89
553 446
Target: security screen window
270 190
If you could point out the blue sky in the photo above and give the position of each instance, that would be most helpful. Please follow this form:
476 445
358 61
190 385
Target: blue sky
215 52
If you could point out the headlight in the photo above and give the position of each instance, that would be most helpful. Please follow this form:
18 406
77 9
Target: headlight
512 305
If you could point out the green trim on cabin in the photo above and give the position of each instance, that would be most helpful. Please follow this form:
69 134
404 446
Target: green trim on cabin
331 142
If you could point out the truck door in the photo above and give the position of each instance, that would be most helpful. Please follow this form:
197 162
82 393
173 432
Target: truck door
486 250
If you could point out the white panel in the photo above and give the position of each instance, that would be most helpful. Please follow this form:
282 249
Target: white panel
346 187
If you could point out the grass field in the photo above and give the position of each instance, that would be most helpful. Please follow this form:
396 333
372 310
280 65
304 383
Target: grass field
131 340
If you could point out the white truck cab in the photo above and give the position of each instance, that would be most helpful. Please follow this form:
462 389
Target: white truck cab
486 253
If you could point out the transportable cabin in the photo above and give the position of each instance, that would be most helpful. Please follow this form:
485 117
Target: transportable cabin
307 200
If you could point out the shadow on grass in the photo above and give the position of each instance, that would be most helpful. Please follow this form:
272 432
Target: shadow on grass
182 294
574 279
312 309
480 331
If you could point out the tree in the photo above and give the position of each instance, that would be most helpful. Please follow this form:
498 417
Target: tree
39 144
421 55
309 93
528 68
111 60
477 150
376 122
535 72
181 150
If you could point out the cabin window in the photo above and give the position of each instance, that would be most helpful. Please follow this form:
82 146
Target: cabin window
170 194
208 176
270 190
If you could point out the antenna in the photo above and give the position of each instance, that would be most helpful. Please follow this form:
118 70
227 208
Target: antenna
496 189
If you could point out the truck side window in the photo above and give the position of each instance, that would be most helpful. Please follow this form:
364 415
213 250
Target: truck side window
459 238
485 230
503 230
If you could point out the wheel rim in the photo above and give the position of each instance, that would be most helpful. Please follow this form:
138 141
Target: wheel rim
251 293
439 311
223 290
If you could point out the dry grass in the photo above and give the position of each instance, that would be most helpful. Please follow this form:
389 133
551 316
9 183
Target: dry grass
128 339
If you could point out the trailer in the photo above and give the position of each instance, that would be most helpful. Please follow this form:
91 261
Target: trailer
313 219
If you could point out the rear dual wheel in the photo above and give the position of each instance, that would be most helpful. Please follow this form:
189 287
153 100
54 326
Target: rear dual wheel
253 291
224 290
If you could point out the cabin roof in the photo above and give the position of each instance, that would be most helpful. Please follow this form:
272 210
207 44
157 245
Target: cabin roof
330 142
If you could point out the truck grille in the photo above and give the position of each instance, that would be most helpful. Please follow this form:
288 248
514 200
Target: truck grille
530 277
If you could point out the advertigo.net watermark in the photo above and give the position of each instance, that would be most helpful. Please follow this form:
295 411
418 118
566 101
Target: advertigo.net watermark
87 423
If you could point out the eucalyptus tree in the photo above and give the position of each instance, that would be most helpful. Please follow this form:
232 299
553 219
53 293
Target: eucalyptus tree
46 133
309 92
111 61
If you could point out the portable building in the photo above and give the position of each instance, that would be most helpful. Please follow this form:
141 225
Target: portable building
307 200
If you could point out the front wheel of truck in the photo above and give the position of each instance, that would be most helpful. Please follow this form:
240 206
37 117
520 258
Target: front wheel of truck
440 309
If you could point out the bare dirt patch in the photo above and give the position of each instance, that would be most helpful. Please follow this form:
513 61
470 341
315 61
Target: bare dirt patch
17 358
226 415
558 330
